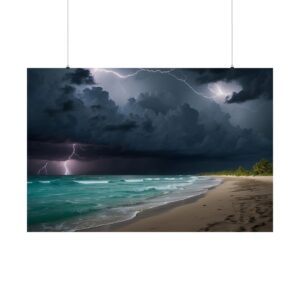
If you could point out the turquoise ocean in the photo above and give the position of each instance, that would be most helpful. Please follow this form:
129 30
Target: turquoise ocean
70 203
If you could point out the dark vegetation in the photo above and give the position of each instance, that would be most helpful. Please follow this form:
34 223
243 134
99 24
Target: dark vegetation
260 168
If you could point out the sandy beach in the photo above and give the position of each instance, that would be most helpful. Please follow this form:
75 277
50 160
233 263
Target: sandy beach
238 204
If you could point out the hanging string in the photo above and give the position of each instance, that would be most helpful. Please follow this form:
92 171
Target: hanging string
68 34
231 14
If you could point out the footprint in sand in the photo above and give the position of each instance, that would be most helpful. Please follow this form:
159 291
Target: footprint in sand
252 220
256 227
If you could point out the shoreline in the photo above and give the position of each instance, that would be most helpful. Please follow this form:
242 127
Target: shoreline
243 203
146 213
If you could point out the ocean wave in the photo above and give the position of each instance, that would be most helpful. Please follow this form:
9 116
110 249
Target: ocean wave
107 203
167 187
91 181
71 201
134 180
192 180
44 181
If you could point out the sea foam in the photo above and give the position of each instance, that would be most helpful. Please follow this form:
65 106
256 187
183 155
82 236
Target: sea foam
134 180
91 181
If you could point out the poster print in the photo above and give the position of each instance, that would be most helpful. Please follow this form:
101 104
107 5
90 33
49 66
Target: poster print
150 150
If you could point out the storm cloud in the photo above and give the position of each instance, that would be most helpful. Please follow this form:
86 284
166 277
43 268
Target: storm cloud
66 106
256 83
81 76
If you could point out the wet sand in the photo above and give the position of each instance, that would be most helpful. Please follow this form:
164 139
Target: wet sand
238 204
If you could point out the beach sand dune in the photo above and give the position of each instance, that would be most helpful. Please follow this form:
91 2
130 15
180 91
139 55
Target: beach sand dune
238 204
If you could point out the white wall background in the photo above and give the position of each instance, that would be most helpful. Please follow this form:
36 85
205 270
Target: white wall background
156 33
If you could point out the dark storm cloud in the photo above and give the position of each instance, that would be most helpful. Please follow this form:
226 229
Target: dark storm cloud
153 102
44 150
63 109
126 126
256 83
61 151
81 76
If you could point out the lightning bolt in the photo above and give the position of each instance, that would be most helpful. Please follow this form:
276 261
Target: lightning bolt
43 169
70 157
169 72
116 73
184 81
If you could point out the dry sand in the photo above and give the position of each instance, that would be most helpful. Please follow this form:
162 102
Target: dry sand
238 204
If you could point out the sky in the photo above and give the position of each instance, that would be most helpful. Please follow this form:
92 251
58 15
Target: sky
148 121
